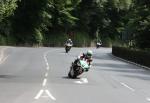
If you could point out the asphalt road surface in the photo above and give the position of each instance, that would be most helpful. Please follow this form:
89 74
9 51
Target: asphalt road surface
39 75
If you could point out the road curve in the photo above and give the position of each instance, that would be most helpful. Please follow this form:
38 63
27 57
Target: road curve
39 75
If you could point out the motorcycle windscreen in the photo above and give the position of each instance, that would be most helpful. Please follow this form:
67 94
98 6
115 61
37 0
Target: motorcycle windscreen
68 44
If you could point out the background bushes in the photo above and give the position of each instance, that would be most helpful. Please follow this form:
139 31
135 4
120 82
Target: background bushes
137 56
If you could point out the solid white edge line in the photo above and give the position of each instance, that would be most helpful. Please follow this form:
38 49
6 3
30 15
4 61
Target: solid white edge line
44 82
39 94
50 95
128 87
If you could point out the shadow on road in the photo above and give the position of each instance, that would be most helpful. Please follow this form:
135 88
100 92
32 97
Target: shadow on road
66 77
6 76
142 77
110 65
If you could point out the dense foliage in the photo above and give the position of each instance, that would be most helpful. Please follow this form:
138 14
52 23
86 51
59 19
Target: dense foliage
39 21
134 55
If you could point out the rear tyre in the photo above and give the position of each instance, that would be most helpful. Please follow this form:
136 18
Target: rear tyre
67 49
69 75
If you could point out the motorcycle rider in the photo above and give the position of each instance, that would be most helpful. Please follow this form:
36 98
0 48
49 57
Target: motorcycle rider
98 43
85 56
69 41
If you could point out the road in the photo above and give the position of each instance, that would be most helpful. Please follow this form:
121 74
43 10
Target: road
39 75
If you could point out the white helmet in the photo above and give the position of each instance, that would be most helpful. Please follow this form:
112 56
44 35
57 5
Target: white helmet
89 53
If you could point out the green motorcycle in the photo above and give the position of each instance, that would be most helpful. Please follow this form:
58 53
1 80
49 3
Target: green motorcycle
77 68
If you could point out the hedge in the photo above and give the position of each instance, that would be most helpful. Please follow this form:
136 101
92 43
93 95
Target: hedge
137 56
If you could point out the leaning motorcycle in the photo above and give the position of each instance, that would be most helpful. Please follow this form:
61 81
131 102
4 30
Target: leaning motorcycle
68 47
77 68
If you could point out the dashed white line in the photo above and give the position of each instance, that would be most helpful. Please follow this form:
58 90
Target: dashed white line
44 82
50 95
47 64
39 94
127 86
46 74
47 68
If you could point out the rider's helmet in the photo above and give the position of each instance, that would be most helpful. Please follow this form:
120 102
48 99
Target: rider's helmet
89 53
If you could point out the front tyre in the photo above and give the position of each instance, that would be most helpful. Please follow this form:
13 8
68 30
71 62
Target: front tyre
71 73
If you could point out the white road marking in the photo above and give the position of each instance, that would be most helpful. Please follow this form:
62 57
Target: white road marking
3 59
45 96
47 64
2 55
46 74
39 94
50 95
46 61
82 81
44 82
127 86
148 99
47 68
78 82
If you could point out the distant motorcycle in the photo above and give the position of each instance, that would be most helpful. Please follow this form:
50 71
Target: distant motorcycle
68 47
77 68
98 45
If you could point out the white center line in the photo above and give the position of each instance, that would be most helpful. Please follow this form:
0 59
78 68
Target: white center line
46 74
47 67
50 95
47 64
39 94
44 82
127 86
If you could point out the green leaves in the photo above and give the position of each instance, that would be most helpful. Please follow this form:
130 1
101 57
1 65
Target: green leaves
35 19
7 8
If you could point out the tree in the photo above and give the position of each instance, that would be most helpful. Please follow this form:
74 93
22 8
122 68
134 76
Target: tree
30 16
7 8
138 23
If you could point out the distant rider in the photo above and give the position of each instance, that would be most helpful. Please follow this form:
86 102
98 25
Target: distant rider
69 41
